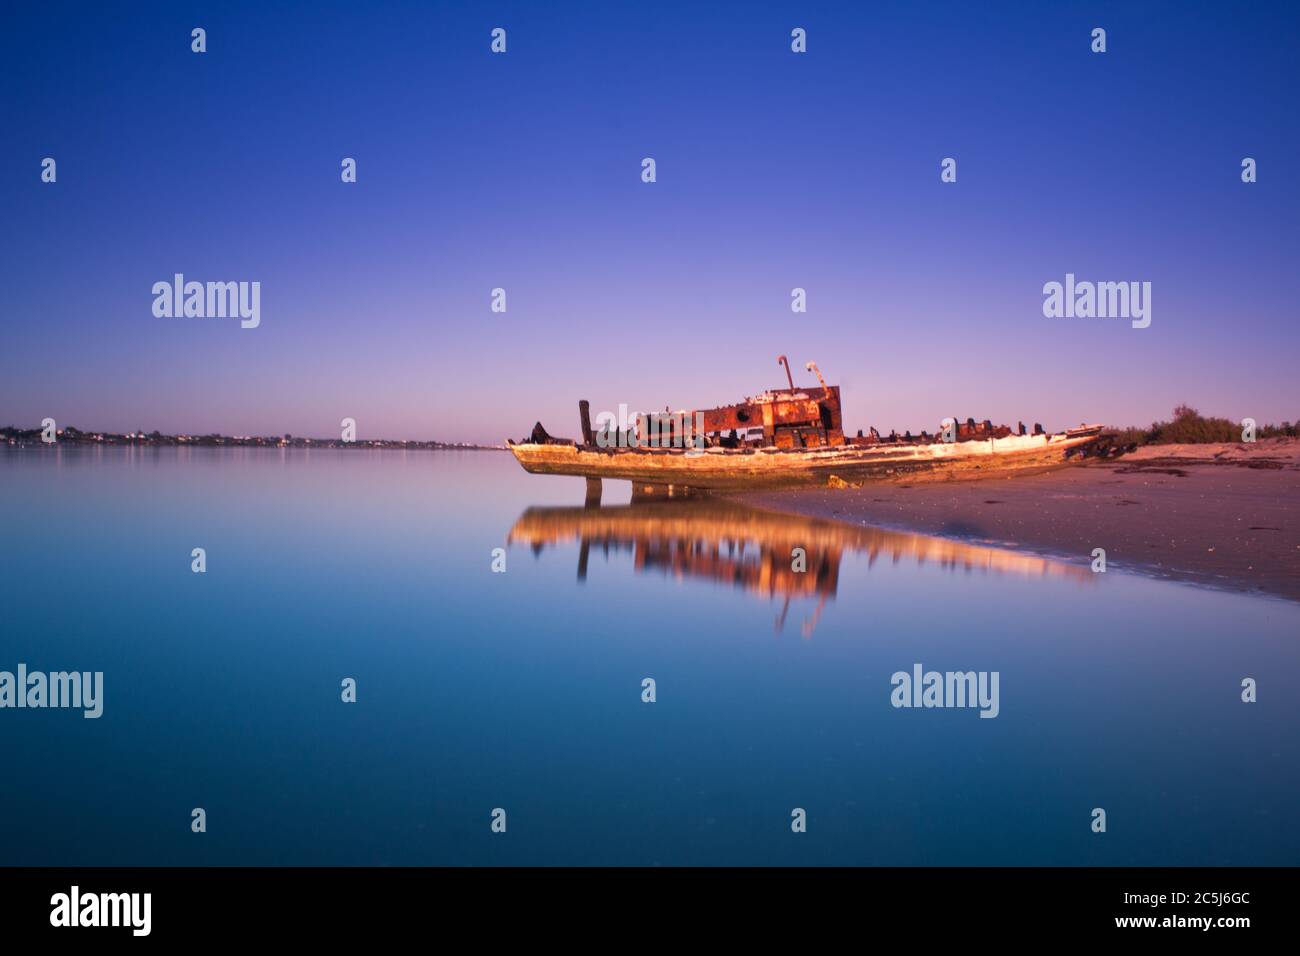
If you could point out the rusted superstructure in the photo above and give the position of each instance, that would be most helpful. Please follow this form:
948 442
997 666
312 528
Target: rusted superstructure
780 418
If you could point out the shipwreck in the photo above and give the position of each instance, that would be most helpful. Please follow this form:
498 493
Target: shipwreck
787 436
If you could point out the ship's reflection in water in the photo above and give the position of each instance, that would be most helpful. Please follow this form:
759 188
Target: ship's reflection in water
757 551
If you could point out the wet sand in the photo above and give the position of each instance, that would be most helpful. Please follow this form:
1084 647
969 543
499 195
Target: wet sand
1220 515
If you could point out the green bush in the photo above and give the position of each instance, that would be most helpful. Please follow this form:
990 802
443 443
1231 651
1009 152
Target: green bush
1190 427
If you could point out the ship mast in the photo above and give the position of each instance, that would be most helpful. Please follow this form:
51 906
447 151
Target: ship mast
782 360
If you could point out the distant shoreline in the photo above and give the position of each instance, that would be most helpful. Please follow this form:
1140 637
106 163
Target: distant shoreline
75 436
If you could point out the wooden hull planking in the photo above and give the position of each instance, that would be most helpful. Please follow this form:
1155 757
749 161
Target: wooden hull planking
730 469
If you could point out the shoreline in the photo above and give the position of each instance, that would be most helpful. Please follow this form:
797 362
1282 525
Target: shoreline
1225 516
295 445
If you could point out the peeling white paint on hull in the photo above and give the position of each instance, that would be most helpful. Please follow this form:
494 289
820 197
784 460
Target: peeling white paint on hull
731 469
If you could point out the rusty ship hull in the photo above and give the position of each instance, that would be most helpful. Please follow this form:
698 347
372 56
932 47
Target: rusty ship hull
734 469
786 436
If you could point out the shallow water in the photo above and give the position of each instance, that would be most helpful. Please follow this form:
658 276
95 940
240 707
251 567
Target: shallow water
522 690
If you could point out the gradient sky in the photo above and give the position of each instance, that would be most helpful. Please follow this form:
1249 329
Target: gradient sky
775 170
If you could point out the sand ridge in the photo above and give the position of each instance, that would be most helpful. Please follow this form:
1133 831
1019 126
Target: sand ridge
1226 515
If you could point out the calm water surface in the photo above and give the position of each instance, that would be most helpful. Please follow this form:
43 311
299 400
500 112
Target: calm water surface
522 690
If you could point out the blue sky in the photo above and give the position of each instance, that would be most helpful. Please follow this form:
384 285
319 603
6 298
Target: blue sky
522 171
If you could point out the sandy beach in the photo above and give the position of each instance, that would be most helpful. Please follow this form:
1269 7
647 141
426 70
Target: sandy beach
1221 515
